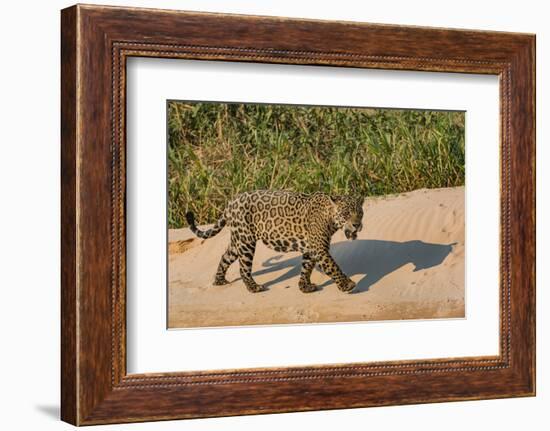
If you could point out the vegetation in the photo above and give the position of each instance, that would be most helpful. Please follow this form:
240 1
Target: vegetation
217 150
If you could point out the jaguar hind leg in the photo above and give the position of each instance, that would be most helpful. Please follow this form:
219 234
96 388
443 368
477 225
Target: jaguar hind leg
246 255
227 259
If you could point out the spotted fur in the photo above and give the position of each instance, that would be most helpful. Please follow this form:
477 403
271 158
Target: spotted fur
286 221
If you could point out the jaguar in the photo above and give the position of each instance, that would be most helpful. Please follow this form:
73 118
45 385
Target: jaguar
286 221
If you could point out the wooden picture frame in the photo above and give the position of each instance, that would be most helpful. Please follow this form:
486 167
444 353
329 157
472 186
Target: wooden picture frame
95 43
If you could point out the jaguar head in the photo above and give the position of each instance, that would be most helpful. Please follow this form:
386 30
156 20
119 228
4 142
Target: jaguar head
348 214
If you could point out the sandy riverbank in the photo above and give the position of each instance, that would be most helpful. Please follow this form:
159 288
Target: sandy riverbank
408 263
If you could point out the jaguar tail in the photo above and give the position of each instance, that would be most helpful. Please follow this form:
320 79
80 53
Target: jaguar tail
205 234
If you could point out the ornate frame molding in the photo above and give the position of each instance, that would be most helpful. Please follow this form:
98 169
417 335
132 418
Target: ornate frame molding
96 41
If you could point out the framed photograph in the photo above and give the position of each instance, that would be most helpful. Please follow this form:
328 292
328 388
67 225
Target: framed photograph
298 177
264 214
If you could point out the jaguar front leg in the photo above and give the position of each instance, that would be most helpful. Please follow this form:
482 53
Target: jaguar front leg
331 268
305 284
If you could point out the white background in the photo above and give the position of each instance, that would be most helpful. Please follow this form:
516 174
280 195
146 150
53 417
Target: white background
151 348
29 220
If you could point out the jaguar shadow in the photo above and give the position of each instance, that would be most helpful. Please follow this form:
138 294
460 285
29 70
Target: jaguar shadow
372 258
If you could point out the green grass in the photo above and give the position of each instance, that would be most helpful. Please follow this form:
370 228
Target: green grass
217 150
